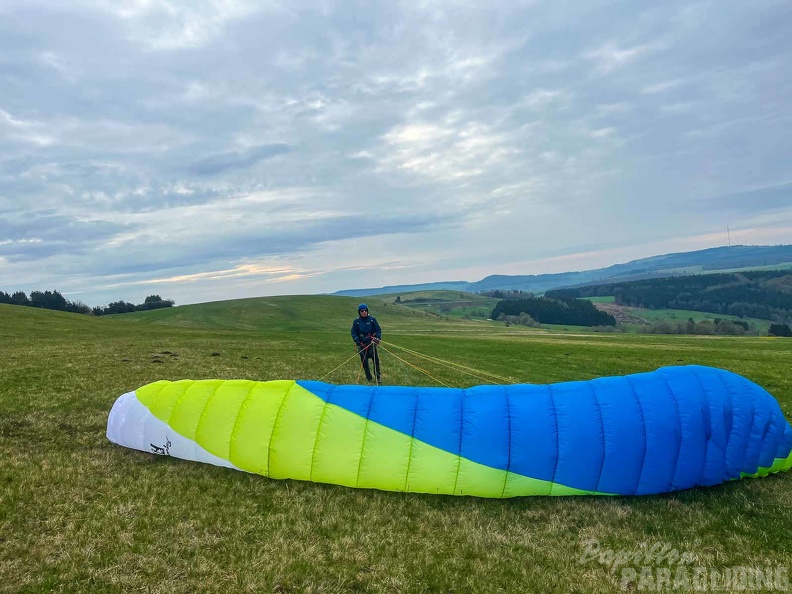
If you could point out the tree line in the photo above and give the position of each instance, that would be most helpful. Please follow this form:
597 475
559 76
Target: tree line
756 294
717 326
561 310
780 330
56 301
506 294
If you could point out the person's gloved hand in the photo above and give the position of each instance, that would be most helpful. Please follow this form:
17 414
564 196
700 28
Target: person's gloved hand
375 340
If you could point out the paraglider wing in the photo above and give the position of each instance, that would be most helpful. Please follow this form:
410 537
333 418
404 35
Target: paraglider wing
674 428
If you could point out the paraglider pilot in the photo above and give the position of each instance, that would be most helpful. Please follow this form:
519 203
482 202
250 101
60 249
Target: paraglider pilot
366 333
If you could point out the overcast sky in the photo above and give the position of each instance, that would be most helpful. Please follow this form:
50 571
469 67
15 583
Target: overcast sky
234 148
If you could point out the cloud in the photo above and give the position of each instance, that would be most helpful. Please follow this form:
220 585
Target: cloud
660 87
89 134
229 229
24 131
237 160
41 234
602 133
611 56
759 200
609 109
173 24
680 107
443 153
542 98
160 139
241 270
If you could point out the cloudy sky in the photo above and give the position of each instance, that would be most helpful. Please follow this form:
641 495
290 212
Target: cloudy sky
234 148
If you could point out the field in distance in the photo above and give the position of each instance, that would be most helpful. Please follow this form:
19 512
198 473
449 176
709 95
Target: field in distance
450 304
632 318
460 305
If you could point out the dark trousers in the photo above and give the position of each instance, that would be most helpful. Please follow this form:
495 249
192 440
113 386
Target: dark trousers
370 353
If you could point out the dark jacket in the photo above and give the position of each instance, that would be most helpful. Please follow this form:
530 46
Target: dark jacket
364 329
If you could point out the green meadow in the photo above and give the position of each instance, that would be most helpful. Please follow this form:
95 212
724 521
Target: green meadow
682 315
79 514
610 299
456 305
444 303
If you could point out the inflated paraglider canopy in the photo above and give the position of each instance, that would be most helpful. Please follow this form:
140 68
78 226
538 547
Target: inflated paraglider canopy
674 428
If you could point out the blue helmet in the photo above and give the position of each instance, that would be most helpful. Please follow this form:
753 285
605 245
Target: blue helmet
362 306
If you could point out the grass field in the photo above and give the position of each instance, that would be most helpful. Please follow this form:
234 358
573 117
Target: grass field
682 315
78 514
448 304
701 270
610 299
679 315
458 305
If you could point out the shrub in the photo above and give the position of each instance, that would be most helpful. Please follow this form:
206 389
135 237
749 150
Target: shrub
780 330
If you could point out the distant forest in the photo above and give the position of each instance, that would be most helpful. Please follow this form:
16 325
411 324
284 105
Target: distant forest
55 301
755 294
506 294
558 310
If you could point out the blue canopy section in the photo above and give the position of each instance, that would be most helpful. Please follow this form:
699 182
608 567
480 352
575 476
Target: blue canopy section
674 428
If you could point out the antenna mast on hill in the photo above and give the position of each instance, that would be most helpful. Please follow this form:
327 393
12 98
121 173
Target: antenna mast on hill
728 234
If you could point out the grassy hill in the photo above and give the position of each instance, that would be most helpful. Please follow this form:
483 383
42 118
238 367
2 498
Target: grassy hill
758 294
682 315
453 304
632 318
419 313
456 305
80 514
290 313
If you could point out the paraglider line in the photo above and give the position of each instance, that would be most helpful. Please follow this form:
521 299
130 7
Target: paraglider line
340 366
457 366
415 367
364 352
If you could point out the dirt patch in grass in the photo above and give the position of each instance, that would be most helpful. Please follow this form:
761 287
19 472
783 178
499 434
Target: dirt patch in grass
622 313
14 426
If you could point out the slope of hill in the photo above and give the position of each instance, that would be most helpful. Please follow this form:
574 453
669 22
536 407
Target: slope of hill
293 315
288 313
455 304
759 294
709 260
393 289
17 321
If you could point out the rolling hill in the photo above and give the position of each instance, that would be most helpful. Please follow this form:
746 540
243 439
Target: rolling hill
720 259
762 294
298 315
